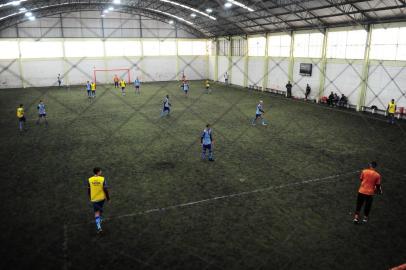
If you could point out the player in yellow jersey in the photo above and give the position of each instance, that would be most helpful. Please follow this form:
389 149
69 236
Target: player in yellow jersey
98 194
21 117
93 89
391 111
122 85
208 90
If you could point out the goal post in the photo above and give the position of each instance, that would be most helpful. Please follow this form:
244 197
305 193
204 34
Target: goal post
122 73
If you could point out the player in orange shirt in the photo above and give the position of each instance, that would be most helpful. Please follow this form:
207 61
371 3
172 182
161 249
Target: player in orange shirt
370 185
116 81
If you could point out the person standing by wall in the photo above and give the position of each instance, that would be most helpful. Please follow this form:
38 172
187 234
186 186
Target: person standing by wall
391 111
308 90
288 90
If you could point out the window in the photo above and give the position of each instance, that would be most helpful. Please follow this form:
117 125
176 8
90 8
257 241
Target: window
256 46
346 44
9 50
279 45
223 47
388 44
41 49
84 48
192 47
123 48
239 47
308 45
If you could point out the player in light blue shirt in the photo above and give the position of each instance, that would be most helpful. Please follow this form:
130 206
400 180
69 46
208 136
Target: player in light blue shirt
206 140
185 87
89 89
137 84
259 112
166 107
42 113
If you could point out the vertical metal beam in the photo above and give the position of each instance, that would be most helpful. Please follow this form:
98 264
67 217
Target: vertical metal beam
65 65
323 65
246 62
216 62
266 66
61 23
177 59
230 60
102 26
140 21
20 64
365 71
291 58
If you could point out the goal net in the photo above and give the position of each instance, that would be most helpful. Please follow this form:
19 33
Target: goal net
106 76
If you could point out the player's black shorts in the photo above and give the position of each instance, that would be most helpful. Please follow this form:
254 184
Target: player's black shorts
42 115
137 87
22 119
166 109
98 206
258 115
206 146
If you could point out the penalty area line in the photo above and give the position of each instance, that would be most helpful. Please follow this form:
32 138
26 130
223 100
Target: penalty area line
229 196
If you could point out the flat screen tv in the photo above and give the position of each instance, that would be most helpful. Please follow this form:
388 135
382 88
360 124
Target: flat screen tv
306 69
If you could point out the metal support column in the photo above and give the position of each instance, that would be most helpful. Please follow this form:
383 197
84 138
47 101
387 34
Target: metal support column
323 65
230 59
291 58
365 71
266 66
246 62
216 61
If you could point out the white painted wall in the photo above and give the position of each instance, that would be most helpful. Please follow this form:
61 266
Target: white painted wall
278 69
222 67
343 78
40 72
299 85
10 74
195 67
255 70
386 82
212 64
158 68
237 70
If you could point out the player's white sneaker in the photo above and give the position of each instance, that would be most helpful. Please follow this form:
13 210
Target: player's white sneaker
365 220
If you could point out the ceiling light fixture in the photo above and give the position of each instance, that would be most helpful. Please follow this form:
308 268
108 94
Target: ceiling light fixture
117 2
22 9
28 14
193 15
189 8
170 15
32 18
228 4
111 8
171 22
209 10
232 2
12 3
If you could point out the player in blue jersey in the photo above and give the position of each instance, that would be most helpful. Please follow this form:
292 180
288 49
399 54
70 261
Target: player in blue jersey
137 84
185 87
258 114
89 90
42 113
166 107
206 140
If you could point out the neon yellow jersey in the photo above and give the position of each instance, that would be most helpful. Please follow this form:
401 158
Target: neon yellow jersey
122 83
20 112
392 107
93 86
97 185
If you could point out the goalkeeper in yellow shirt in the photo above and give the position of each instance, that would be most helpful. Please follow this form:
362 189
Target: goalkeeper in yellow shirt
21 117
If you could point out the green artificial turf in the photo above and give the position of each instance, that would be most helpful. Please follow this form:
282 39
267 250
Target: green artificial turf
150 162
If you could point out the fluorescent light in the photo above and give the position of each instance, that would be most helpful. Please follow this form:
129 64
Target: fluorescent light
106 11
193 15
22 9
103 15
170 15
189 8
233 2
228 4
117 2
32 18
171 22
28 14
12 3
111 8
209 10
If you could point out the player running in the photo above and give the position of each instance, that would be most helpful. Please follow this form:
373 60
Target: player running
122 85
206 141
93 89
166 107
370 185
116 80
137 84
98 194
21 117
42 113
185 87
89 90
208 90
258 114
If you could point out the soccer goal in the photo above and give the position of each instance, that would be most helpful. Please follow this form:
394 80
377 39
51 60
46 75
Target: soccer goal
106 76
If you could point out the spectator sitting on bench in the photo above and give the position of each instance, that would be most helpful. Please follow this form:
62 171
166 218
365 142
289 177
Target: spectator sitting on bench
343 101
330 99
336 99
